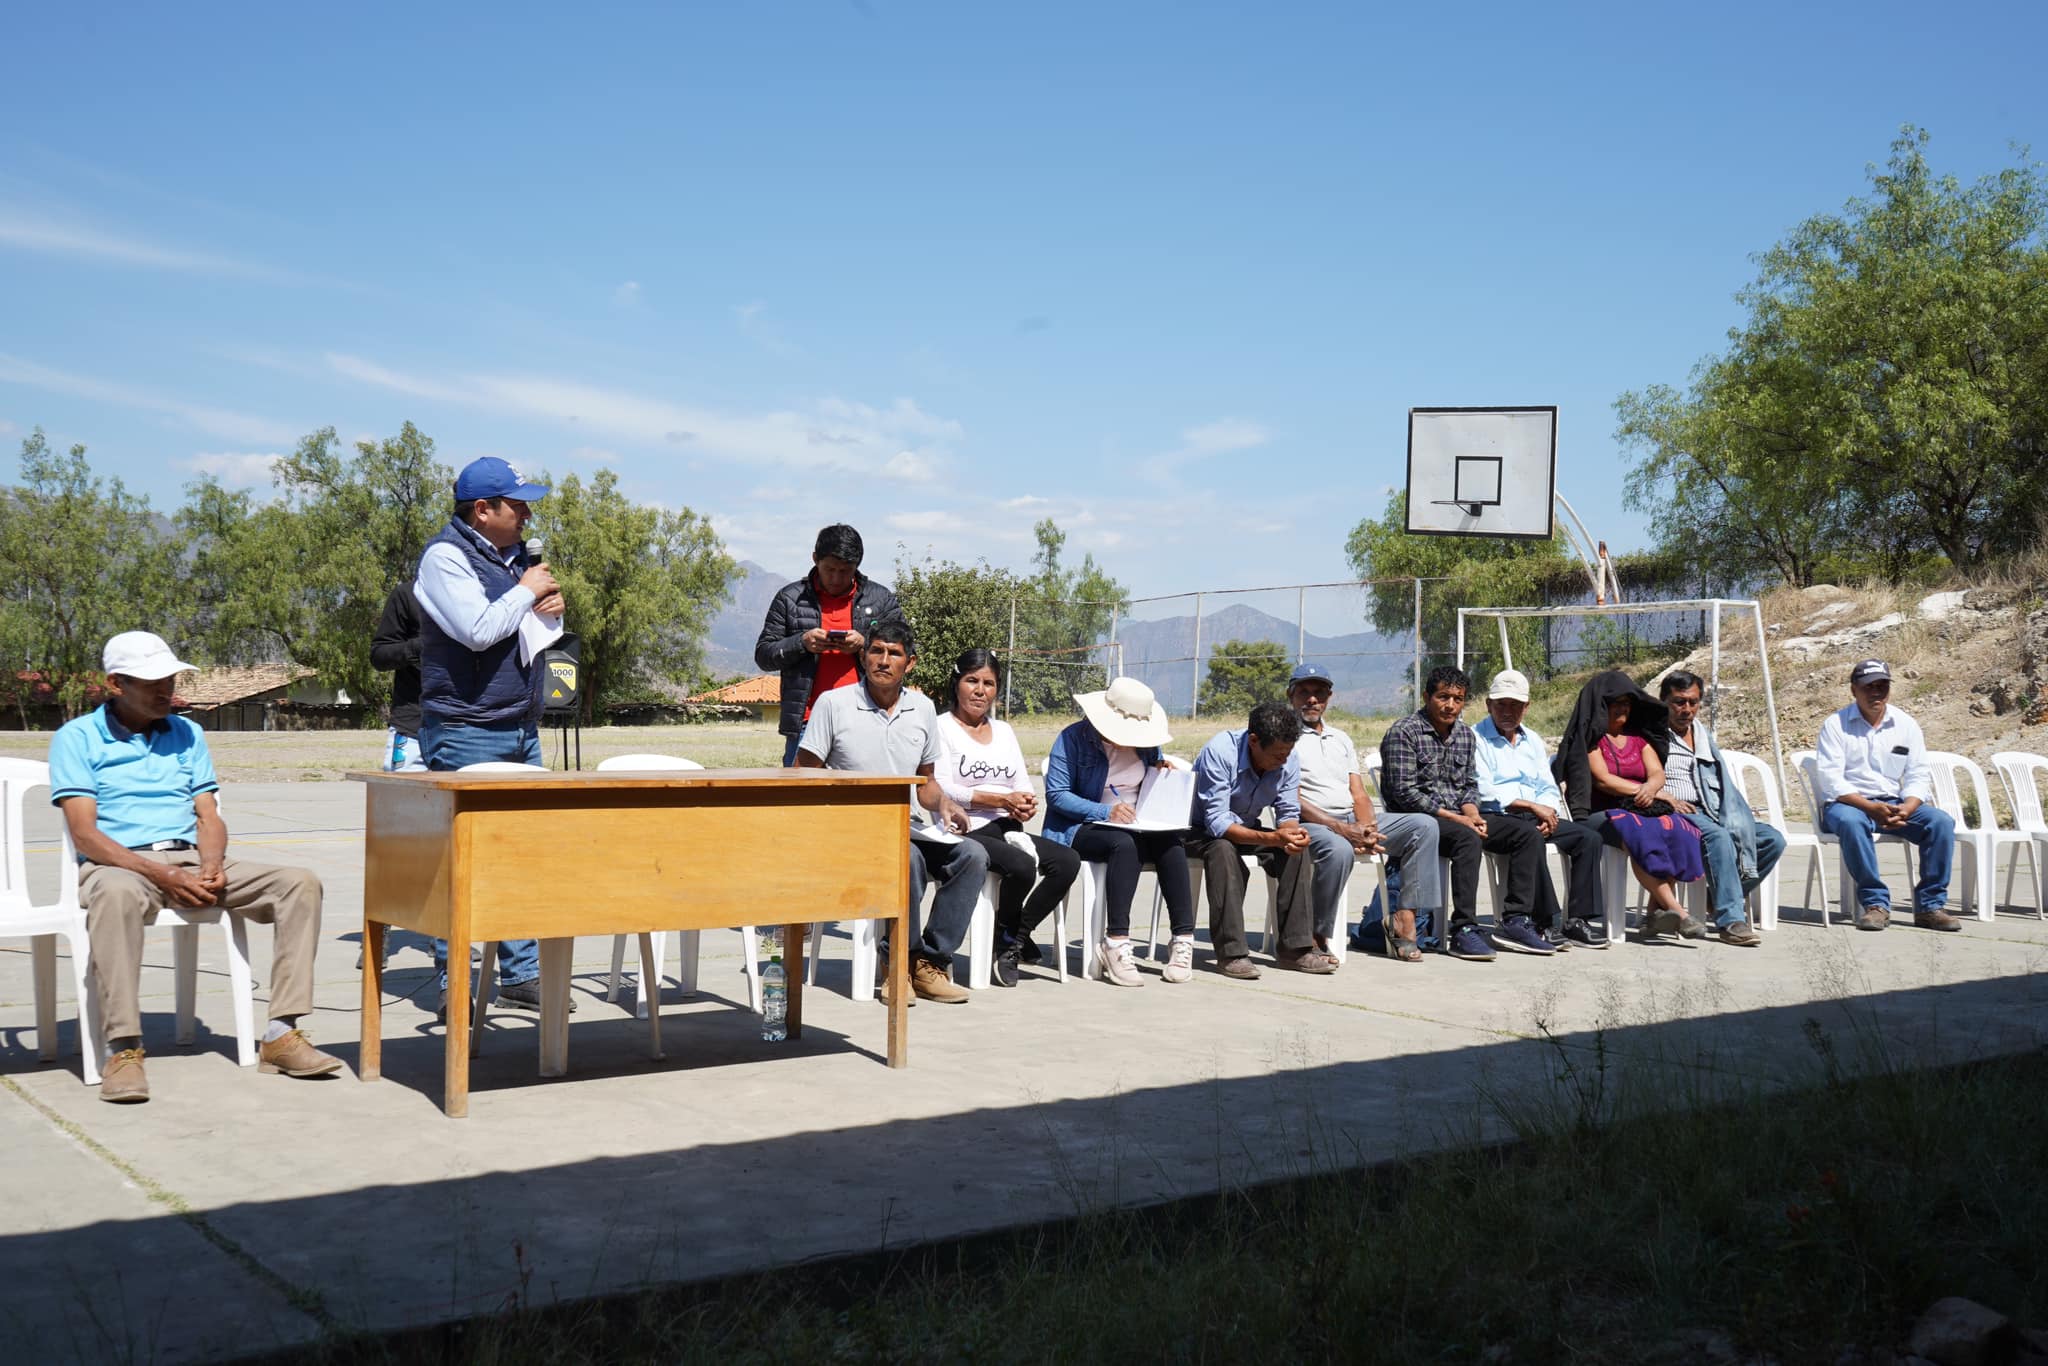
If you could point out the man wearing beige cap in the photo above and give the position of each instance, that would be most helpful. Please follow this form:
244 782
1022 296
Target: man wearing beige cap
136 786
1516 787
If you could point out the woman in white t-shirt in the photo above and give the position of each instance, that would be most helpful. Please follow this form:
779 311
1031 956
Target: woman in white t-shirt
981 767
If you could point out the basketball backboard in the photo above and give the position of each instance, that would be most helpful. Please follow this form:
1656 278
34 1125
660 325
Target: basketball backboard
1482 471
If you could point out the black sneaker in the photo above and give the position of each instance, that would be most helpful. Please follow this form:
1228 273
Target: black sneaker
526 996
1028 953
1006 964
1553 935
1586 934
1469 944
1518 935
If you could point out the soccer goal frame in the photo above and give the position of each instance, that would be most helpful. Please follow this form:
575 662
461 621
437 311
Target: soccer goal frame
1714 606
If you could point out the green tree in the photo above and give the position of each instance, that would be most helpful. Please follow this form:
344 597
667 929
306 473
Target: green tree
1242 674
305 577
1063 610
640 585
82 559
1887 395
952 608
1478 571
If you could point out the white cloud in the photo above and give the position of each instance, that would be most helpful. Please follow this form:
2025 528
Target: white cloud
756 327
27 232
240 428
929 521
628 295
1223 436
1026 503
240 470
899 441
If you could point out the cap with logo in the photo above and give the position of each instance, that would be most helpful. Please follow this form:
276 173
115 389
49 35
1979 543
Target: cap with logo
143 655
1509 685
491 477
1310 673
1870 669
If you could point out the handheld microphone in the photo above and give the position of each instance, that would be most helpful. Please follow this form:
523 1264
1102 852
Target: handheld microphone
533 548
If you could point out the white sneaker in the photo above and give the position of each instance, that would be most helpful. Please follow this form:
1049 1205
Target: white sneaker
1180 961
1117 968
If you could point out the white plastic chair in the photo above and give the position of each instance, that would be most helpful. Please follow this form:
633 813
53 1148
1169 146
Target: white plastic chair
1981 841
42 925
2020 774
654 947
1809 777
1742 768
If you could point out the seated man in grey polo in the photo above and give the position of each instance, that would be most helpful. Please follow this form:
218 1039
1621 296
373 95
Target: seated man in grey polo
879 726
137 790
1740 851
1341 823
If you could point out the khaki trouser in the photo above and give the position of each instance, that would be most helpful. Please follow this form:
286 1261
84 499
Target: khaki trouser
119 903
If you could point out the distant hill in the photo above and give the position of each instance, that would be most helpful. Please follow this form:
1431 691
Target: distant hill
1370 671
730 649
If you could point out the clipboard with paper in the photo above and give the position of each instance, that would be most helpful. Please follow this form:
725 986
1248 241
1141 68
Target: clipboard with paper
1166 800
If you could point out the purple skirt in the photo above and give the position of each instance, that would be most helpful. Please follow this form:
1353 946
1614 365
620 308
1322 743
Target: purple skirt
1668 847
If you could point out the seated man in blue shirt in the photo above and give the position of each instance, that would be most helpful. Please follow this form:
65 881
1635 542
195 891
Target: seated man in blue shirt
136 787
1237 776
1515 786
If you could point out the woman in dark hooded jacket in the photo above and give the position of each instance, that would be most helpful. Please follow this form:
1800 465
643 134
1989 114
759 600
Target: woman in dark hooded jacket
1613 753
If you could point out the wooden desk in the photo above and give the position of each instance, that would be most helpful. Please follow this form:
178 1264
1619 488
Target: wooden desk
474 857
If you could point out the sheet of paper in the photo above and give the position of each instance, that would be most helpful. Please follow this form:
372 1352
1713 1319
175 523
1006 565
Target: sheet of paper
1166 800
933 834
536 633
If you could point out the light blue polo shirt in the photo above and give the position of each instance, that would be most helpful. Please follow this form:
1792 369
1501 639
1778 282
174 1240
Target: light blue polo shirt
144 781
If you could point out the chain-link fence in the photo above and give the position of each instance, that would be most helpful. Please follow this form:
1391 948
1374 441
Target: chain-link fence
1208 651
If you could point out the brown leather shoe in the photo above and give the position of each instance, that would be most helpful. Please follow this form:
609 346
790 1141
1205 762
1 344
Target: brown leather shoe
882 985
295 1056
1936 920
1874 918
1741 934
121 1080
1244 969
1305 960
934 983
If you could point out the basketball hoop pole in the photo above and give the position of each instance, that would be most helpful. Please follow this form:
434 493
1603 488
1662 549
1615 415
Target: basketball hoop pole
1599 570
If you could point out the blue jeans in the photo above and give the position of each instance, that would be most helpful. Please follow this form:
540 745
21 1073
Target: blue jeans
789 749
1411 844
1928 827
449 745
1726 887
962 870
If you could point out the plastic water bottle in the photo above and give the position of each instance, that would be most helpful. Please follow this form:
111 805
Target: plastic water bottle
774 1002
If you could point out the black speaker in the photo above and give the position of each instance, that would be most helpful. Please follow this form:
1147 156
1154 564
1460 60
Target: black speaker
561 667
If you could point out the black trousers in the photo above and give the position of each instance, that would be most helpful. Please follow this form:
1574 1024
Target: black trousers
1528 890
1019 905
1126 852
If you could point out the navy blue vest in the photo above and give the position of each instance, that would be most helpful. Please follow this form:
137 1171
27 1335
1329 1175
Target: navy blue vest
487 687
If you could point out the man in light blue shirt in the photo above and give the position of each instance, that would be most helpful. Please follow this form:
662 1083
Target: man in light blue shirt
1516 787
1872 764
1237 776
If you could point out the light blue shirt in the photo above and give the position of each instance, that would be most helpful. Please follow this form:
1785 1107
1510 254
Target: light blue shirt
143 781
449 593
1509 773
1228 792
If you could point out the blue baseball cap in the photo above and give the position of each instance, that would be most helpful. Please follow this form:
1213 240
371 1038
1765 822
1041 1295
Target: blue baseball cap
490 477
1305 672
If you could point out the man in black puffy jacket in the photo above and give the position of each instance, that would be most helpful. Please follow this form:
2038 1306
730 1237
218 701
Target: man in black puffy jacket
817 627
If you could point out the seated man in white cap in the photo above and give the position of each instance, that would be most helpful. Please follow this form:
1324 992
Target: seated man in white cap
1338 814
1872 763
136 787
1516 787
1093 778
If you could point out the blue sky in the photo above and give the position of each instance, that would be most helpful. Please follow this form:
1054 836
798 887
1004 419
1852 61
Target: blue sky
1171 274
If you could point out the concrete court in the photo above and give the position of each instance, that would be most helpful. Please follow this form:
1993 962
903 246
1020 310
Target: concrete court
236 1212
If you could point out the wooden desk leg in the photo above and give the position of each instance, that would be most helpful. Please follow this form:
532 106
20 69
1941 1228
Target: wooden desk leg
650 993
793 977
556 959
455 1060
370 1051
899 991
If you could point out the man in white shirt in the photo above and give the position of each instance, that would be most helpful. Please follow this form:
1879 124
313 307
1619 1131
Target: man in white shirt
1512 770
1342 824
1872 765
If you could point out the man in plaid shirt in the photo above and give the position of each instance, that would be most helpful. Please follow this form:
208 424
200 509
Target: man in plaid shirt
1426 767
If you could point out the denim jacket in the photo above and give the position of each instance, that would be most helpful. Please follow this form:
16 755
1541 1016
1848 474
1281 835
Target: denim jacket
1074 778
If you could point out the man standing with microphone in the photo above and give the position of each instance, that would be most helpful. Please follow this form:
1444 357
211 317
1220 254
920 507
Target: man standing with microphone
480 696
